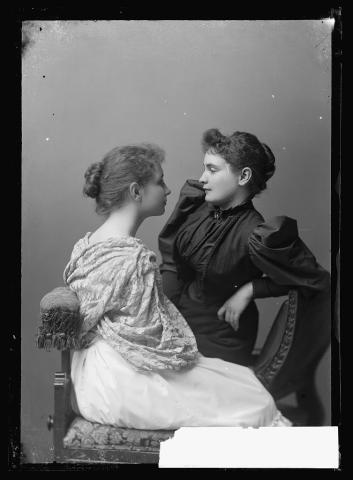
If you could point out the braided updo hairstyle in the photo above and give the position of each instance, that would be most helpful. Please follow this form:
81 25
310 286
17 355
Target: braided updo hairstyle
242 150
108 181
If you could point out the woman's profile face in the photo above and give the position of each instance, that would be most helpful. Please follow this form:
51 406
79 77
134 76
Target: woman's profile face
219 181
155 194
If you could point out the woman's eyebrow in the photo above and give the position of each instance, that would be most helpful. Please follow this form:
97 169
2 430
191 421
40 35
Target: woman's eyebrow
210 165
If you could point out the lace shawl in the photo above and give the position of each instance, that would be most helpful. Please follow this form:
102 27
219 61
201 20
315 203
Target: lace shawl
119 287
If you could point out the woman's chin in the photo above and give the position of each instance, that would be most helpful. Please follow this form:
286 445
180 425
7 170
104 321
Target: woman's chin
156 213
161 210
211 200
214 201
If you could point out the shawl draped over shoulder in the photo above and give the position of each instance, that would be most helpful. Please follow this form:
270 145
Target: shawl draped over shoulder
119 288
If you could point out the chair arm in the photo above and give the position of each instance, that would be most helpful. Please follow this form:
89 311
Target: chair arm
61 320
297 340
63 413
278 342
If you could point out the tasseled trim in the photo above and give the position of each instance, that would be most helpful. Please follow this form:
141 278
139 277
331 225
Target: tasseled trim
60 329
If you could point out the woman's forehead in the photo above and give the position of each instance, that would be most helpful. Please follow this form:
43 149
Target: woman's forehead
214 159
159 171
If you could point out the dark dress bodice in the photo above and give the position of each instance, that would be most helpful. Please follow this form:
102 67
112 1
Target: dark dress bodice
208 254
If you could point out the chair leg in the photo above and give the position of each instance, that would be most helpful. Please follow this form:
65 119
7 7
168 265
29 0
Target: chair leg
309 400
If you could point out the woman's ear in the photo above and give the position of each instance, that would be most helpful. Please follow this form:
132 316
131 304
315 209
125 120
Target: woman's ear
135 191
245 176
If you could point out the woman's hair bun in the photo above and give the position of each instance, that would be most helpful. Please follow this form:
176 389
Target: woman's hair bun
92 177
270 167
212 138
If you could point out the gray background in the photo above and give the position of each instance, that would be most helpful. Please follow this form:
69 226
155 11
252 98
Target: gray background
89 86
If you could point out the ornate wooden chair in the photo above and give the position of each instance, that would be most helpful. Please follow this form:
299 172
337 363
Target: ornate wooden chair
286 364
77 440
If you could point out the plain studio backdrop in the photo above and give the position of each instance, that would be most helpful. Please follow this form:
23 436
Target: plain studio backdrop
88 86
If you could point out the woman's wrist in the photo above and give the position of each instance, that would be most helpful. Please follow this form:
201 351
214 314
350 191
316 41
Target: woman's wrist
247 289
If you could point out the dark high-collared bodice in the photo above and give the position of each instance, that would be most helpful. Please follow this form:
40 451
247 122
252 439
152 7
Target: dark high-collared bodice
208 254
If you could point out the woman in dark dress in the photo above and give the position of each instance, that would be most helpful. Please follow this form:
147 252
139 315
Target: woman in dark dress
218 254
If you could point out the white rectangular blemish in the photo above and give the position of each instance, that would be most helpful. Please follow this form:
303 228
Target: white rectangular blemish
236 447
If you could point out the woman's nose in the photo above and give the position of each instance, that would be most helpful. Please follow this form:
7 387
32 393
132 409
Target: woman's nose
168 191
201 179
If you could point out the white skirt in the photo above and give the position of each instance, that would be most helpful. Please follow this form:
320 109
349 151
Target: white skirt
213 393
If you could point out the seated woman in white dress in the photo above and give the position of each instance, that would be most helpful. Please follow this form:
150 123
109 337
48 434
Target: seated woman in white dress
140 367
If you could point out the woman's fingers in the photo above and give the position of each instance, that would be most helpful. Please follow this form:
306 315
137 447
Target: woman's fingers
221 313
229 316
235 321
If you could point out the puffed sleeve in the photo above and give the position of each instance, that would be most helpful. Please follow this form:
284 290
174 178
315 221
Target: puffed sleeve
276 249
190 198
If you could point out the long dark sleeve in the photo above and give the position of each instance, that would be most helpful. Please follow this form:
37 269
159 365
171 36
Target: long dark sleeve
265 287
191 196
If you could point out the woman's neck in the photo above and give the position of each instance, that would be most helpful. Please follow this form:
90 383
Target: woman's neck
124 221
241 198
